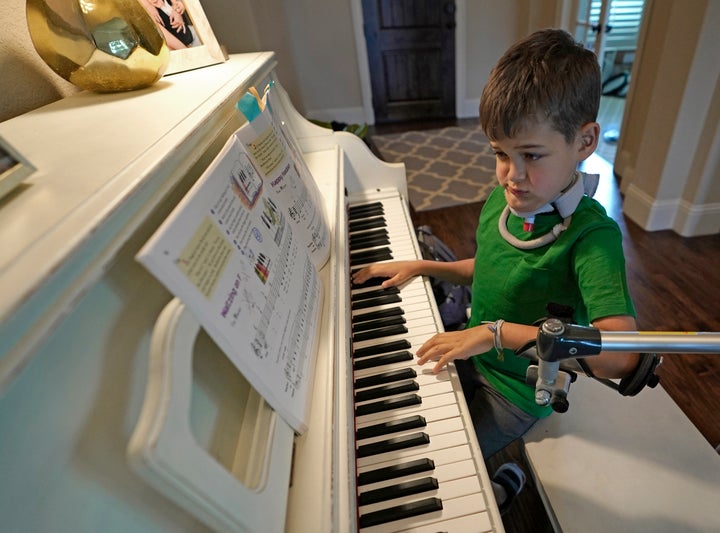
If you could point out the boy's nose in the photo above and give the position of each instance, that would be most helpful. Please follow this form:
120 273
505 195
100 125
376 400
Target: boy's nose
516 172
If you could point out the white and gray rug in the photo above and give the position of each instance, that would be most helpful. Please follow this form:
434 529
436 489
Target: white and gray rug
455 165
445 167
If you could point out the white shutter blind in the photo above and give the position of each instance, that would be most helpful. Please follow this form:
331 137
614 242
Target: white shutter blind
624 19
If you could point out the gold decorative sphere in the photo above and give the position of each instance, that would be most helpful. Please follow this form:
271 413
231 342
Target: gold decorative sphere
99 45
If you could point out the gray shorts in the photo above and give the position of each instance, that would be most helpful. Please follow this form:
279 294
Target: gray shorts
497 420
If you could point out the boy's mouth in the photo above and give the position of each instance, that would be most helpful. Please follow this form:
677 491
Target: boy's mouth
517 192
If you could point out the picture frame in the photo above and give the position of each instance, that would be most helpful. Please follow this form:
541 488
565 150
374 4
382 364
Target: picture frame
13 168
192 46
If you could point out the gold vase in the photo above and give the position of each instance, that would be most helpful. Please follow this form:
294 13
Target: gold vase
99 45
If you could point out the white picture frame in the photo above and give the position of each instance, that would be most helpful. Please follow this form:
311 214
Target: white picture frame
192 45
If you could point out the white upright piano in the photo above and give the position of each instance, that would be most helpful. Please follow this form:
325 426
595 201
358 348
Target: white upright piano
117 413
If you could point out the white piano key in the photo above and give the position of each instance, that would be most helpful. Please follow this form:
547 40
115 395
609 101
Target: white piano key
442 456
443 473
430 415
455 488
439 442
459 498
476 522
428 390
425 369
422 378
429 402
439 427
416 331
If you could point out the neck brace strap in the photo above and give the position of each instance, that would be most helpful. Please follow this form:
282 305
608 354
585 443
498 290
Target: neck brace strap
565 203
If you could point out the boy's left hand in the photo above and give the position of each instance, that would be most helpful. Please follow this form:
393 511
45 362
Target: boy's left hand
445 347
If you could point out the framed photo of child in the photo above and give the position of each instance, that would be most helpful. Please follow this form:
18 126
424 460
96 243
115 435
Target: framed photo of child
187 32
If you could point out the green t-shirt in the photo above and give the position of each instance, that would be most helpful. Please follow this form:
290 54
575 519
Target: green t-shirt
584 269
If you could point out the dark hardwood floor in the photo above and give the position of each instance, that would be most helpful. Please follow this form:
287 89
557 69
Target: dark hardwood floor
675 283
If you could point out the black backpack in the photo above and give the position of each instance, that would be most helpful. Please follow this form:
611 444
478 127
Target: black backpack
452 300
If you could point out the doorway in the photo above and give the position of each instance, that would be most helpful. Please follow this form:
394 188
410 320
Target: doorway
611 28
411 58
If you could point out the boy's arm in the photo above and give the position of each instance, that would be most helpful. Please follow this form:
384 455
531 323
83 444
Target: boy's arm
398 272
613 365
445 347
607 365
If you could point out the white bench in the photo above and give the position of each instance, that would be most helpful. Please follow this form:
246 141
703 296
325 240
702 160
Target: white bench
624 464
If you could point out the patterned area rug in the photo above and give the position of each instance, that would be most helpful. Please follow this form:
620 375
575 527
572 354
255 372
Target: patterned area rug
445 167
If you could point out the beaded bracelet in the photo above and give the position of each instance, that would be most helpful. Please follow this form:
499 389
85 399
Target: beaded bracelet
495 328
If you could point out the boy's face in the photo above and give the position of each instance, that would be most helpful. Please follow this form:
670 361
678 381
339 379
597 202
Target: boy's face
538 163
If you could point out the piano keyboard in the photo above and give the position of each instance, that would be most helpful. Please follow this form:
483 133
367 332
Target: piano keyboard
416 469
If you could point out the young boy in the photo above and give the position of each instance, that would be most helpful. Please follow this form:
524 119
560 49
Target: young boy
539 238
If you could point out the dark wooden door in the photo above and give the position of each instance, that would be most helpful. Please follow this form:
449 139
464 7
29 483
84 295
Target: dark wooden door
411 53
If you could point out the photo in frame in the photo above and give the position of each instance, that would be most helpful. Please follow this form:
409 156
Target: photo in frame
187 32
13 168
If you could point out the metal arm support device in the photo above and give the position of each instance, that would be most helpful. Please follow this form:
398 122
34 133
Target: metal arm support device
558 341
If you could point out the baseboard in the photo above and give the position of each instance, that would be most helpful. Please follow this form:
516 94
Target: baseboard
469 108
349 115
686 219
695 220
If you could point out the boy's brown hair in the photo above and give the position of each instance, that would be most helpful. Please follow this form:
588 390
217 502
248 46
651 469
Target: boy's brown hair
546 76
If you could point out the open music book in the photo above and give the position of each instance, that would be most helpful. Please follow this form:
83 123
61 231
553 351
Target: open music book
242 251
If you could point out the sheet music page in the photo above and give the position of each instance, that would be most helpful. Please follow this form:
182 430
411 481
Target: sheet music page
232 255
276 156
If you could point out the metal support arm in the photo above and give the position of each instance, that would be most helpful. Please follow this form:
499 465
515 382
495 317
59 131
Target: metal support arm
558 341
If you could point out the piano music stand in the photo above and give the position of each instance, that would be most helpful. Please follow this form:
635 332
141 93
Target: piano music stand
165 452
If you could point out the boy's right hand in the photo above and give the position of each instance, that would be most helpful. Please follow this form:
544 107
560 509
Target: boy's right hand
397 272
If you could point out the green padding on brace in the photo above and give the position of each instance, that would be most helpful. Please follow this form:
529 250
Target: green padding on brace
248 106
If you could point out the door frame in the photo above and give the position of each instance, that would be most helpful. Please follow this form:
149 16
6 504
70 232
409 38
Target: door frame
364 67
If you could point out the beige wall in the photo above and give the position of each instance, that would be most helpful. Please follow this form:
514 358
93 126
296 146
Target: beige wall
314 41
669 150
26 82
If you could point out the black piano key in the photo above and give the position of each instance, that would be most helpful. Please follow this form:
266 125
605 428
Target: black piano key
374 302
395 471
407 488
378 333
382 360
384 347
378 314
389 404
368 241
372 282
392 426
381 378
399 512
371 256
367 234
363 210
391 445
367 223
386 390
375 324
374 293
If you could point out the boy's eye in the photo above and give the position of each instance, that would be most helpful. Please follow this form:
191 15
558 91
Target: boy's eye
532 156
501 155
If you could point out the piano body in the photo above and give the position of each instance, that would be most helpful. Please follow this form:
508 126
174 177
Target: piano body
117 413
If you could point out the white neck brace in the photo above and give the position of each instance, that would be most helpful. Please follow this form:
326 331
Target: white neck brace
565 203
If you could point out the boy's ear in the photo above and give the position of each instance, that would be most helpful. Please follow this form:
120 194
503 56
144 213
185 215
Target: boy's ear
589 136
